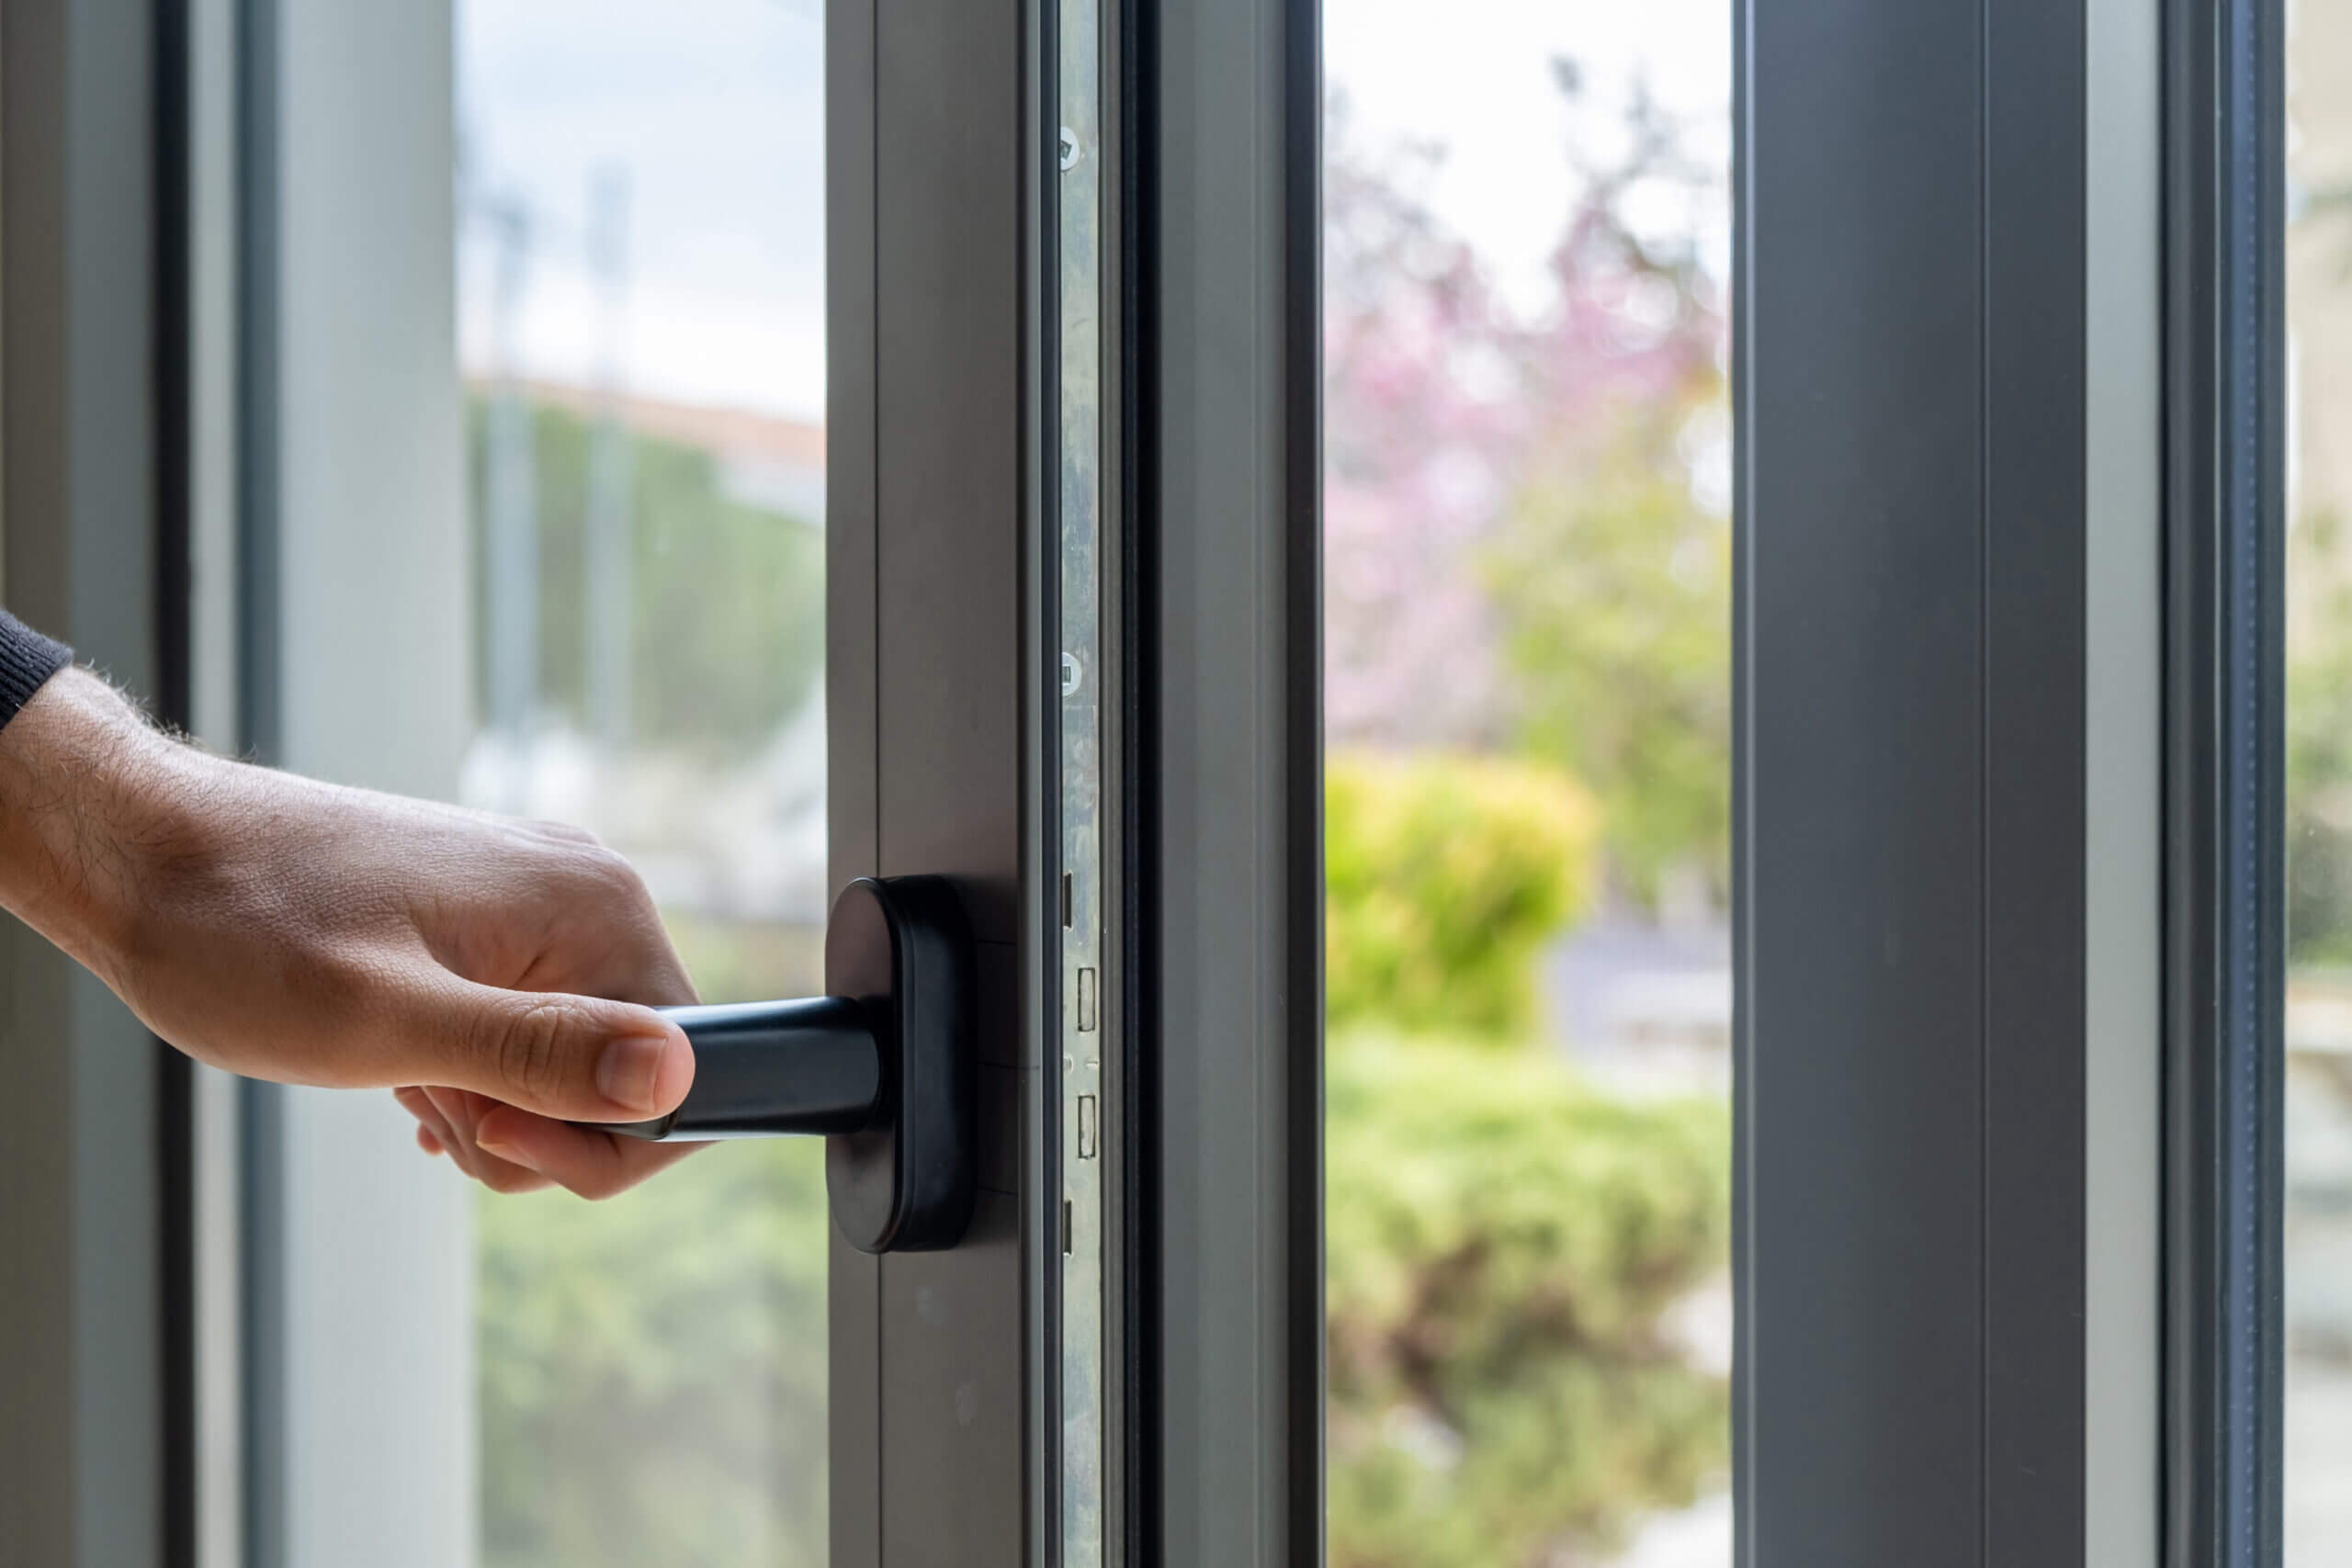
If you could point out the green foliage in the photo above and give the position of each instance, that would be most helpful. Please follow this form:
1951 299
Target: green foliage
727 602
1445 875
1503 1244
1615 588
654 1368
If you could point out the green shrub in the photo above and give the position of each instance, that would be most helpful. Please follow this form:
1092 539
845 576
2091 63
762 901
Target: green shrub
1446 873
1503 1245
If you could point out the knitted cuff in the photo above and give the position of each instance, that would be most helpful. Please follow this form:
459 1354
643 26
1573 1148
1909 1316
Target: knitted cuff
27 659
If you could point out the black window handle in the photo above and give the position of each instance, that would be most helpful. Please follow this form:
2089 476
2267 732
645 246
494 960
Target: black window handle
882 1068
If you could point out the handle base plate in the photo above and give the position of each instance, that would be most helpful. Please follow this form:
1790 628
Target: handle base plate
903 950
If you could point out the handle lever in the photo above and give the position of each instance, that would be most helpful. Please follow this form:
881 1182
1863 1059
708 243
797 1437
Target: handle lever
766 1069
882 1068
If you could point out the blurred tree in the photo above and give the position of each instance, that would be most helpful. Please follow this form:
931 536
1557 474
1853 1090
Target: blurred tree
1616 588
1423 418
1516 542
1611 572
728 598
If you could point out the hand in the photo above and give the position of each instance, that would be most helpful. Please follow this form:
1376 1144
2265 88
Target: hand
499 975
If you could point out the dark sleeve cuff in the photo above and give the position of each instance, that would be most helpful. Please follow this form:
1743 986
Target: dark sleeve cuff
27 659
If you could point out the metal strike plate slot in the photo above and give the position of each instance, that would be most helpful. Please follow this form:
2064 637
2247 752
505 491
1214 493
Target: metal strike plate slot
881 1068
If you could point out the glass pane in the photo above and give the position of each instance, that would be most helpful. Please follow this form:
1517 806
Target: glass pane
2319 787
1528 575
639 260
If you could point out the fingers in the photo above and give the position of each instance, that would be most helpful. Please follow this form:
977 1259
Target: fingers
449 1116
464 1110
568 1057
590 1163
514 1151
432 1133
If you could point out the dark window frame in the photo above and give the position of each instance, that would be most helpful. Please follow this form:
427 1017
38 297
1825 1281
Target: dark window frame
1911 751
2224 532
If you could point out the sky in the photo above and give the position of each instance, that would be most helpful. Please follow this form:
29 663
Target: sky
715 109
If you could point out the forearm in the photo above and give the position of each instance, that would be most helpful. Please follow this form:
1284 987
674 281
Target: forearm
309 934
93 800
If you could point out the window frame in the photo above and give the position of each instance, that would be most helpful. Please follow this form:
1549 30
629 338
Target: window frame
1217 109
1227 396
2225 460
938 590
92 1389
1947 1029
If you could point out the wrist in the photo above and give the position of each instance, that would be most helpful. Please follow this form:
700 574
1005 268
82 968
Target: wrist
94 804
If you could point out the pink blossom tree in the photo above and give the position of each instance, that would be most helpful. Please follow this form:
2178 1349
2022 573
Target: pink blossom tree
1517 544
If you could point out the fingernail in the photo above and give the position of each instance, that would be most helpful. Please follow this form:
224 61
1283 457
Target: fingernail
629 1073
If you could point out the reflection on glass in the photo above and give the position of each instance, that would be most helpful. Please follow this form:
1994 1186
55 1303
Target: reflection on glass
2319 787
1528 702
641 298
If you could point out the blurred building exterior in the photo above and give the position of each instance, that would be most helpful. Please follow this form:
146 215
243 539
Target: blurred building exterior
748 844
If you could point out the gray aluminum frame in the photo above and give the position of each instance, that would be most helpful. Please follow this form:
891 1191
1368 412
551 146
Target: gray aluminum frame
1946 820
938 720
942 703
1228 411
1220 730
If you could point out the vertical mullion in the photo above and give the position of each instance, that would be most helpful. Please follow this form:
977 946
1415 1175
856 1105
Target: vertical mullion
1228 393
1300 55
2224 901
176 1095
1910 751
2192 1384
954 737
852 667
2035 867
2248 516
1861 678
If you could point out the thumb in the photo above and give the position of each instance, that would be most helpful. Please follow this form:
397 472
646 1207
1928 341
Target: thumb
576 1058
